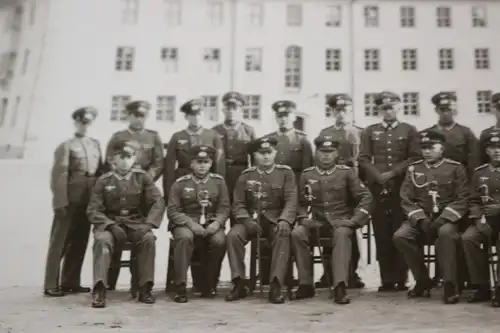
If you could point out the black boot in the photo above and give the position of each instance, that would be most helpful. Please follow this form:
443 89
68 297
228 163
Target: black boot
181 294
239 290
388 286
275 294
340 294
145 295
56 292
355 282
451 295
495 301
304 291
421 289
99 296
75 290
482 294
322 283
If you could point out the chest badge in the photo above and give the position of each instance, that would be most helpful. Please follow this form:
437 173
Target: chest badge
182 142
312 181
188 189
109 188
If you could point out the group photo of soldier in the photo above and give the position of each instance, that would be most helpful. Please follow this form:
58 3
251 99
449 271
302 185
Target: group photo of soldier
224 188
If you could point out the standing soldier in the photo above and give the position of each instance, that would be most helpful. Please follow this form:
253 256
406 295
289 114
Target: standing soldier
434 198
495 105
349 137
484 208
293 149
125 205
275 185
387 148
77 163
150 155
198 208
331 190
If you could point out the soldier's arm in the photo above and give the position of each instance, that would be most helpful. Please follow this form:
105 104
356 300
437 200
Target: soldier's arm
366 154
154 200
109 153
220 159
363 197
307 154
100 167
459 207
96 211
175 214
59 176
303 203
475 203
169 166
289 212
408 194
253 137
473 153
483 157
223 205
239 209
156 168
413 153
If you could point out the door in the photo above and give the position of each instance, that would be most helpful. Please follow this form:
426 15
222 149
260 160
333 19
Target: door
299 123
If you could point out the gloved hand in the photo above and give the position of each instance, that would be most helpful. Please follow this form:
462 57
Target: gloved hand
213 227
60 212
253 227
345 223
284 229
492 210
424 225
484 228
437 223
308 223
118 233
197 229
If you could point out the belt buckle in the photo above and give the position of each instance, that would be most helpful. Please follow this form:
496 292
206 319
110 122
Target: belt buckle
124 212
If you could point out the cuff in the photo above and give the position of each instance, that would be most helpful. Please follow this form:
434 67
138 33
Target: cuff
416 215
450 214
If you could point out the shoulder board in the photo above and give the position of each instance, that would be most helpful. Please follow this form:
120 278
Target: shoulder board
452 161
358 127
106 175
416 162
343 167
183 178
481 167
151 131
137 170
300 132
249 170
216 175
309 169
283 166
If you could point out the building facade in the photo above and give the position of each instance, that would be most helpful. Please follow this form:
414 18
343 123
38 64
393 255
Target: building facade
57 55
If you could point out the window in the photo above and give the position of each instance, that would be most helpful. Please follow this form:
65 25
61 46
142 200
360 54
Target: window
333 16
443 15
253 60
328 111
215 12
169 56
482 58
165 108
17 20
130 11
173 12
411 104
251 110
370 109
372 59
256 14
211 108
371 16
483 98
3 110
294 15
407 16
15 111
211 57
445 58
479 17
409 59
33 12
24 65
332 60
124 59
293 67
118 107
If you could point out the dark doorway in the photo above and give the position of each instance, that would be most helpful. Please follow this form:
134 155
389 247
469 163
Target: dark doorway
299 123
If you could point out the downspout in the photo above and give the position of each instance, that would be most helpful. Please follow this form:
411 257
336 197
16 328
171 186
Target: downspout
352 55
232 42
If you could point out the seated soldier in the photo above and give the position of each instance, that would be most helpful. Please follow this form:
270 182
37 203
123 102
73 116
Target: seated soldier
125 206
198 207
325 191
434 198
484 210
275 185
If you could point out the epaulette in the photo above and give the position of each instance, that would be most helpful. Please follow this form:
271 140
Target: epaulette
452 161
343 167
137 170
283 166
481 167
106 175
151 131
249 169
216 175
301 132
309 169
416 162
183 178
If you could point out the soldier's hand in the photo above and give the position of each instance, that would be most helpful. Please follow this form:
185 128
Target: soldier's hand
308 223
213 227
118 233
253 227
484 228
438 223
424 225
284 229
198 230
491 210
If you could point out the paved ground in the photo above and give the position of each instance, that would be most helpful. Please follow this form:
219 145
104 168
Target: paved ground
25 310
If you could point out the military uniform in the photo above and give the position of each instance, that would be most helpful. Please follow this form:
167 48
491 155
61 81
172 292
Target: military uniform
294 148
178 149
185 214
133 204
77 163
150 155
484 229
332 191
495 103
429 219
277 214
387 148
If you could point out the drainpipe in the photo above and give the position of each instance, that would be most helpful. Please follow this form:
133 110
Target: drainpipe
352 55
232 46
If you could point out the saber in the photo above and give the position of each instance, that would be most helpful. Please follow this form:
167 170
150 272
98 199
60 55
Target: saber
257 194
203 200
487 199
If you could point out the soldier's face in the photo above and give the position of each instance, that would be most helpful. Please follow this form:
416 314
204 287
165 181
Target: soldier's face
137 120
81 127
342 114
193 119
432 153
389 112
446 114
265 158
326 157
201 167
232 112
124 161
284 120
494 153
497 112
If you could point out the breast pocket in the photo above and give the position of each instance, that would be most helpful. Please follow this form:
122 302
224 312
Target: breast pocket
134 197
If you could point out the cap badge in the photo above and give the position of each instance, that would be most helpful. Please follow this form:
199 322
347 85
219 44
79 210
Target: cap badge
495 139
202 154
202 148
195 107
327 144
87 116
425 139
265 145
281 109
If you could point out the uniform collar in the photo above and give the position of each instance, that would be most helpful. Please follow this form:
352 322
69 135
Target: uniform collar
198 132
233 127
133 131
120 177
339 127
79 136
288 131
200 181
387 125
493 169
326 172
435 165
266 171
446 128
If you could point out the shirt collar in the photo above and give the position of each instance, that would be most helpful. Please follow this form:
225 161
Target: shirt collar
326 172
435 165
446 128
200 181
132 131
266 171
198 132
390 126
125 177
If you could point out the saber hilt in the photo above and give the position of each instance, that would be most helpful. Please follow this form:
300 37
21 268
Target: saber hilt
485 198
433 193
308 195
203 200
